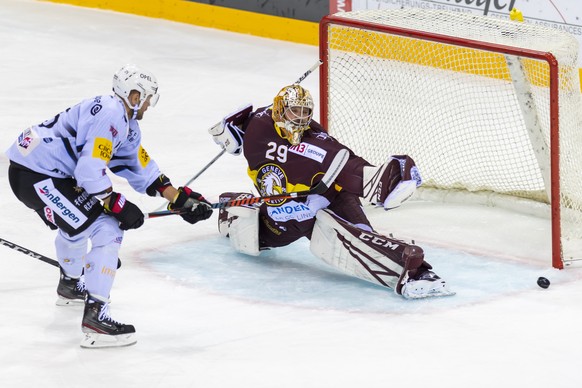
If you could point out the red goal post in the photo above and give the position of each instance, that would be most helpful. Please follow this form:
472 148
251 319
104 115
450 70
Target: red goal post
485 106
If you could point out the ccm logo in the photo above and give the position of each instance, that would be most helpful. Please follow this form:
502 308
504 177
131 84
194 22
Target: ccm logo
378 241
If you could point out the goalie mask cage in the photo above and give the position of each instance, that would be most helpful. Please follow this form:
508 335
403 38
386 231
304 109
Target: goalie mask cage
485 106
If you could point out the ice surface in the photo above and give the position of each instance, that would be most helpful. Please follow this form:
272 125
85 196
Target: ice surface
208 317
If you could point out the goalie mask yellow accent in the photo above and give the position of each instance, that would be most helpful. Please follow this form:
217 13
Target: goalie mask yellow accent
292 112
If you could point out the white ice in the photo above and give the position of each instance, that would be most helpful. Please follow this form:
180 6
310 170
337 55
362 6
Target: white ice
208 317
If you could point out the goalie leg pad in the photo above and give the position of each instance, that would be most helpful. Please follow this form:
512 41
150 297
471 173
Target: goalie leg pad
244 229
224 220
364 254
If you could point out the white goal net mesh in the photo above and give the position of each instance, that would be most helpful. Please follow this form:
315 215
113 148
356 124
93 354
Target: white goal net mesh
462 96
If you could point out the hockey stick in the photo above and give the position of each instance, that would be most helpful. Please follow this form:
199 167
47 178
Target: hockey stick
336 166
305 75
311 70
28 252
206 167
201 171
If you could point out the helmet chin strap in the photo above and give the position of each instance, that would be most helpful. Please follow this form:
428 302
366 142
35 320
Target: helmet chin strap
135 109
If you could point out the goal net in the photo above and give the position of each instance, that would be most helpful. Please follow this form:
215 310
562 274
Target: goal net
485 106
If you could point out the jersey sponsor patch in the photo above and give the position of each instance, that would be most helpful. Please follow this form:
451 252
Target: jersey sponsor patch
309 151
143 157
59 204
103 149
291 210
27 141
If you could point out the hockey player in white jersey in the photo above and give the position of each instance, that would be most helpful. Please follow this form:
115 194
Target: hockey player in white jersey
59 169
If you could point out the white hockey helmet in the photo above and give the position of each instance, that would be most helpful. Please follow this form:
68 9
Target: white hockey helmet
132 77
292 112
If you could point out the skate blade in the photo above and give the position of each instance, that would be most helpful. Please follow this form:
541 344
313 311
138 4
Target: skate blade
422 289
96 340
437 294
69 302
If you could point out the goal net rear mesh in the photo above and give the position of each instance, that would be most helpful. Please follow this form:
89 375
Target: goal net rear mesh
474 100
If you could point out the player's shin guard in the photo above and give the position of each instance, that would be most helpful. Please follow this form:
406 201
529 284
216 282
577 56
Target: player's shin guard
100 270
366 255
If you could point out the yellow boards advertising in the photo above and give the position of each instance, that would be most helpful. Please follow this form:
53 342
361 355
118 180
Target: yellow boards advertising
565 15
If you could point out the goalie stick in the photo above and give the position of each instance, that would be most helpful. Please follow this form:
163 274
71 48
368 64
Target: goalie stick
206 167
336 166
299 80
306 74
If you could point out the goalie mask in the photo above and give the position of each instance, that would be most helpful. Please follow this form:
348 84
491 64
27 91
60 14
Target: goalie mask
132 77
292 112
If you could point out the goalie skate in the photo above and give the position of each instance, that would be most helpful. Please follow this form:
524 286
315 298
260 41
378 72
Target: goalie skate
428 285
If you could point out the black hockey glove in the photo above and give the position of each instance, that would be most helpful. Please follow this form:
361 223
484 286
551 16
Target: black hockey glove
195 206
127 213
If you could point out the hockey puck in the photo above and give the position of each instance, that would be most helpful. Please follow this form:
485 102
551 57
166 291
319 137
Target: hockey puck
543 282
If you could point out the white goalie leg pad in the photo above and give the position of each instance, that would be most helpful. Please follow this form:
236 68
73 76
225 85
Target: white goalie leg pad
348 248
244 229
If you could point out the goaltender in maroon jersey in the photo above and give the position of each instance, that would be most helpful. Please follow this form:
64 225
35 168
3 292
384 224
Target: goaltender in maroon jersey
287 152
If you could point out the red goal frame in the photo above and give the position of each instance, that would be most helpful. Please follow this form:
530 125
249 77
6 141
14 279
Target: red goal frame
486 46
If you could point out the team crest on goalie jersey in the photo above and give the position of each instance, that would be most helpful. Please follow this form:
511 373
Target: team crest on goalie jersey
271 180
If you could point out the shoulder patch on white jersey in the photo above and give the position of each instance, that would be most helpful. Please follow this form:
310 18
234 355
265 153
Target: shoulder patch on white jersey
27 141
309 151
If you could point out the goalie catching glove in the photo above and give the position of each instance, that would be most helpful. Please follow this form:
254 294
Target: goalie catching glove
228 133
127 213
192 205
392 183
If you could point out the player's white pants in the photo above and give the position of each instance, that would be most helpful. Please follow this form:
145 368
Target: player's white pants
70 252
100 262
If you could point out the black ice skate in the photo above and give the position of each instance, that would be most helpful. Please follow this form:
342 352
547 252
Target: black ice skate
100 331
70 291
